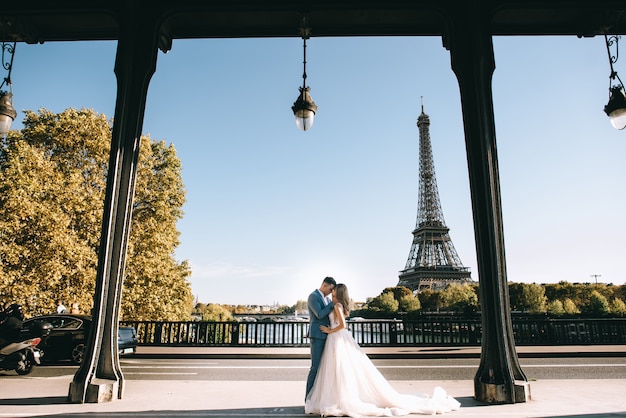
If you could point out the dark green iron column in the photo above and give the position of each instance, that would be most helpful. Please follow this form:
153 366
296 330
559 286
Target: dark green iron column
100 378
499 378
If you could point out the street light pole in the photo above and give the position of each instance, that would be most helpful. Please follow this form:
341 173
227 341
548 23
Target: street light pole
595 276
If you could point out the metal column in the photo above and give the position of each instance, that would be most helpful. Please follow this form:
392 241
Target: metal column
100 378
499 378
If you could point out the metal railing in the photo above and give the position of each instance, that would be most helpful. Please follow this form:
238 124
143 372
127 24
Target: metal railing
372 333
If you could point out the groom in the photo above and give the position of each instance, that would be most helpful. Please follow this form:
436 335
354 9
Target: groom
319 307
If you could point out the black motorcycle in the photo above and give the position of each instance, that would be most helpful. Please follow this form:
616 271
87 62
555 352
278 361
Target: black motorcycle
20 356
18 347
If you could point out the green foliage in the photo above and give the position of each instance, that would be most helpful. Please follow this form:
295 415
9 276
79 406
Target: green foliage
199 308
570 307
560 291
284 310
580 293
564 299
430 300
156 285
534 298
240 309
527 297
555 308
618 307
52 185
385 302
409 303
216 313
394 299
52 179
620 292
459 298
598 305
398 292
530 298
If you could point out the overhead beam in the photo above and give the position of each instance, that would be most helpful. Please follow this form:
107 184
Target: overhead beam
45 21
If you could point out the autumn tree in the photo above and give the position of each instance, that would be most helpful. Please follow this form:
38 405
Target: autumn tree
385 302
620 292
555 307
409 303
527 297
216 313
155 284
52 176
52 184
515 295
618 307
430 300
597 306
459 298
398 292
284 310
570 307
560 291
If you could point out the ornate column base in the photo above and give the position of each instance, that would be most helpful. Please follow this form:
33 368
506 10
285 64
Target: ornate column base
498 393
97 391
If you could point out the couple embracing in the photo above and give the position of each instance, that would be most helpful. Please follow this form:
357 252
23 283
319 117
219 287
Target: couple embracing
342 380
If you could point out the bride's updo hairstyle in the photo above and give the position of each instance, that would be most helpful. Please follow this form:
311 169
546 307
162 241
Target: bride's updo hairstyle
341 291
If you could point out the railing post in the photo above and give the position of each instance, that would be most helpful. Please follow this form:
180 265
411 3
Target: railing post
393 333
234 334
158 333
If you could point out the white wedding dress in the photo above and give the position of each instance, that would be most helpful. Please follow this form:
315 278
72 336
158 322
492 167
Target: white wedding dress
348 384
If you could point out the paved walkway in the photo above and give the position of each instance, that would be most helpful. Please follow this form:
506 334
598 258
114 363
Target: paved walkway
46 397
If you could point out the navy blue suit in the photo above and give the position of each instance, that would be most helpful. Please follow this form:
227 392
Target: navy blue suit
318 314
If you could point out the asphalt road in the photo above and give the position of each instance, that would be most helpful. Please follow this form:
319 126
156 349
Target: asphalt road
297 369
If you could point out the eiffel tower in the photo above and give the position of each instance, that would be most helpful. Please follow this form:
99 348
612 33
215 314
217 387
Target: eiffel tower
433 262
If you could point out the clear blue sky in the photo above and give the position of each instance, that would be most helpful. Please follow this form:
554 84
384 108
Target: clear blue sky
271 210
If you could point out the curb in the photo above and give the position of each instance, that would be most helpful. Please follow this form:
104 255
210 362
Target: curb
536 352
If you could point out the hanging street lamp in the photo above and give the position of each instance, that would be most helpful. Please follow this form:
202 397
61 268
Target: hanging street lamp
304 108
616 107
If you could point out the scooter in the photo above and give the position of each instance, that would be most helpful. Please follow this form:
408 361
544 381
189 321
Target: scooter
21 356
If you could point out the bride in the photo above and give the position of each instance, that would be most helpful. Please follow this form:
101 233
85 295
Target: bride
348 383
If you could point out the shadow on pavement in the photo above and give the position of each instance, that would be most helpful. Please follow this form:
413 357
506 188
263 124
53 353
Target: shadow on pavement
292 411
46 400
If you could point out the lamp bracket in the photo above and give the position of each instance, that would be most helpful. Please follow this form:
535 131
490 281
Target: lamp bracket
8 52
305 33
612 43
305 30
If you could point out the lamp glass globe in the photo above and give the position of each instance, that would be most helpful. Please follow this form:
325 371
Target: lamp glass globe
618 118
305 119
5 124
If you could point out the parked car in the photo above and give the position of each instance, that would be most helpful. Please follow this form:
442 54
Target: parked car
127 340
68 335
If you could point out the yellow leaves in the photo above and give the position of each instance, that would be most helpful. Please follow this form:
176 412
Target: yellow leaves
53 181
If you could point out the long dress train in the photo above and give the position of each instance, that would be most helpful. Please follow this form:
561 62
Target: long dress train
348 384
